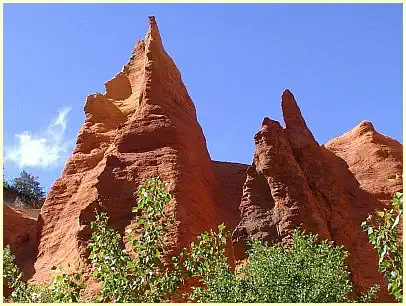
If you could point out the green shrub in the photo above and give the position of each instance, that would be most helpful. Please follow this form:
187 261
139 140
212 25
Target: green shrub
306 272
147 275
64 288
205 258
383 235
109 262
145 278
14 277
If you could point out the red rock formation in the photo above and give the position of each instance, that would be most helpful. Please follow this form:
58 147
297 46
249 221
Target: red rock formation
374 159
230 179
19 232
276 196
143 126
294 180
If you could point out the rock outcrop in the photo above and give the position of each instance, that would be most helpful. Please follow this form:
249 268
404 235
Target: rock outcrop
375 160
295 181
230 180
144 126
276 196
20 233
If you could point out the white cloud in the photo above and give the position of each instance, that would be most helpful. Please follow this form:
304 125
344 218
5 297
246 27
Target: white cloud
41 150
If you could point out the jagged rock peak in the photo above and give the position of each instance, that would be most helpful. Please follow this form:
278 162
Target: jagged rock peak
291 111
152 20
269 122
292 115
153 34
364 127
144 48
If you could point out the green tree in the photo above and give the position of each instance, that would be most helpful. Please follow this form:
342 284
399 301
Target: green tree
383 235
142 277
305 272
145 273
29 188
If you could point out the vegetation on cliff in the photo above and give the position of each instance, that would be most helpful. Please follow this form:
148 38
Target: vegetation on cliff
383 235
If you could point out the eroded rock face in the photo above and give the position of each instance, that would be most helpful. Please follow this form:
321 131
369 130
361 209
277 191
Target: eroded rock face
276 196
374 159
295 181
230 180
143 126
20 233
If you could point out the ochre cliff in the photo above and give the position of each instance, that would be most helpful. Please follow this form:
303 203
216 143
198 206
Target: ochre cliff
20 233
374 159
295 181
145 125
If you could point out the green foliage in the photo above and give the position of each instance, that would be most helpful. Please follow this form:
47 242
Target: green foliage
368 296
109 262
14 278
205 258
147 275
276 277
146 278
64 288
306 272
383 235
156 281
29 188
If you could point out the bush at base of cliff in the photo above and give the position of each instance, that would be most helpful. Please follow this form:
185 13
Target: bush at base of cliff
142 277
383 235
305 272
65 288
144 274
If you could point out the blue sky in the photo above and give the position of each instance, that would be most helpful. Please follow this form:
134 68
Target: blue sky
342 62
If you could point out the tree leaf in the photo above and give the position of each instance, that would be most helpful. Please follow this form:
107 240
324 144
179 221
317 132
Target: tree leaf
396 222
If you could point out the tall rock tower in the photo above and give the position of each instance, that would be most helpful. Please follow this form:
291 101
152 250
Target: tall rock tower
294 181
143 126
